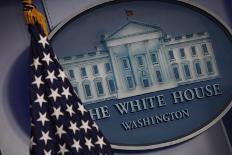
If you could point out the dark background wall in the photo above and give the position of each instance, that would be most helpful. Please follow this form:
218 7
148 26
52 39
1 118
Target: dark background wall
14 115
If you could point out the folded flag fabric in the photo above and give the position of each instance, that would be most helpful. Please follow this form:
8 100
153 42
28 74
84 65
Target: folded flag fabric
60 124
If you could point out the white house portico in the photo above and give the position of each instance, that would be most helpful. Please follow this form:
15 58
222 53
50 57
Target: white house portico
139 58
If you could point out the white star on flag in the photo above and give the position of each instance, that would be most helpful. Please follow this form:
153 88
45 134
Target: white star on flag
62 75
38 81
54 94
36 63
81 108
85 125
57 112
40 99
66 92
47 58
32 143
43 41
73 127
45 137
42 118
76 145
60 131
69 109
47 152
88 143
51 76
63 149
100 141
95 125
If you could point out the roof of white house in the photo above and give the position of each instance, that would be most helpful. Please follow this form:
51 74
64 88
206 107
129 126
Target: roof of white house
132 28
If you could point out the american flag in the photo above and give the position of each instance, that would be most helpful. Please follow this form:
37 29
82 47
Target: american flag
60 124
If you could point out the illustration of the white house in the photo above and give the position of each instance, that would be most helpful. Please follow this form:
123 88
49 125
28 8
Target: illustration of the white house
137 59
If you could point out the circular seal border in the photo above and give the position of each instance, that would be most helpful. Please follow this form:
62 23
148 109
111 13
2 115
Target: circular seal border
188 4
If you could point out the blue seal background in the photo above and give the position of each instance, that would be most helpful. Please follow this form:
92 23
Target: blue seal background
80 35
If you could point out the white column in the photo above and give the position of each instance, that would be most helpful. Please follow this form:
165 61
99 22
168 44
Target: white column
116 70
149 63
164 64
133 64
214 62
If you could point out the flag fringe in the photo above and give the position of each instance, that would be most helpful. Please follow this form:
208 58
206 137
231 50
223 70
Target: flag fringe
32 15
